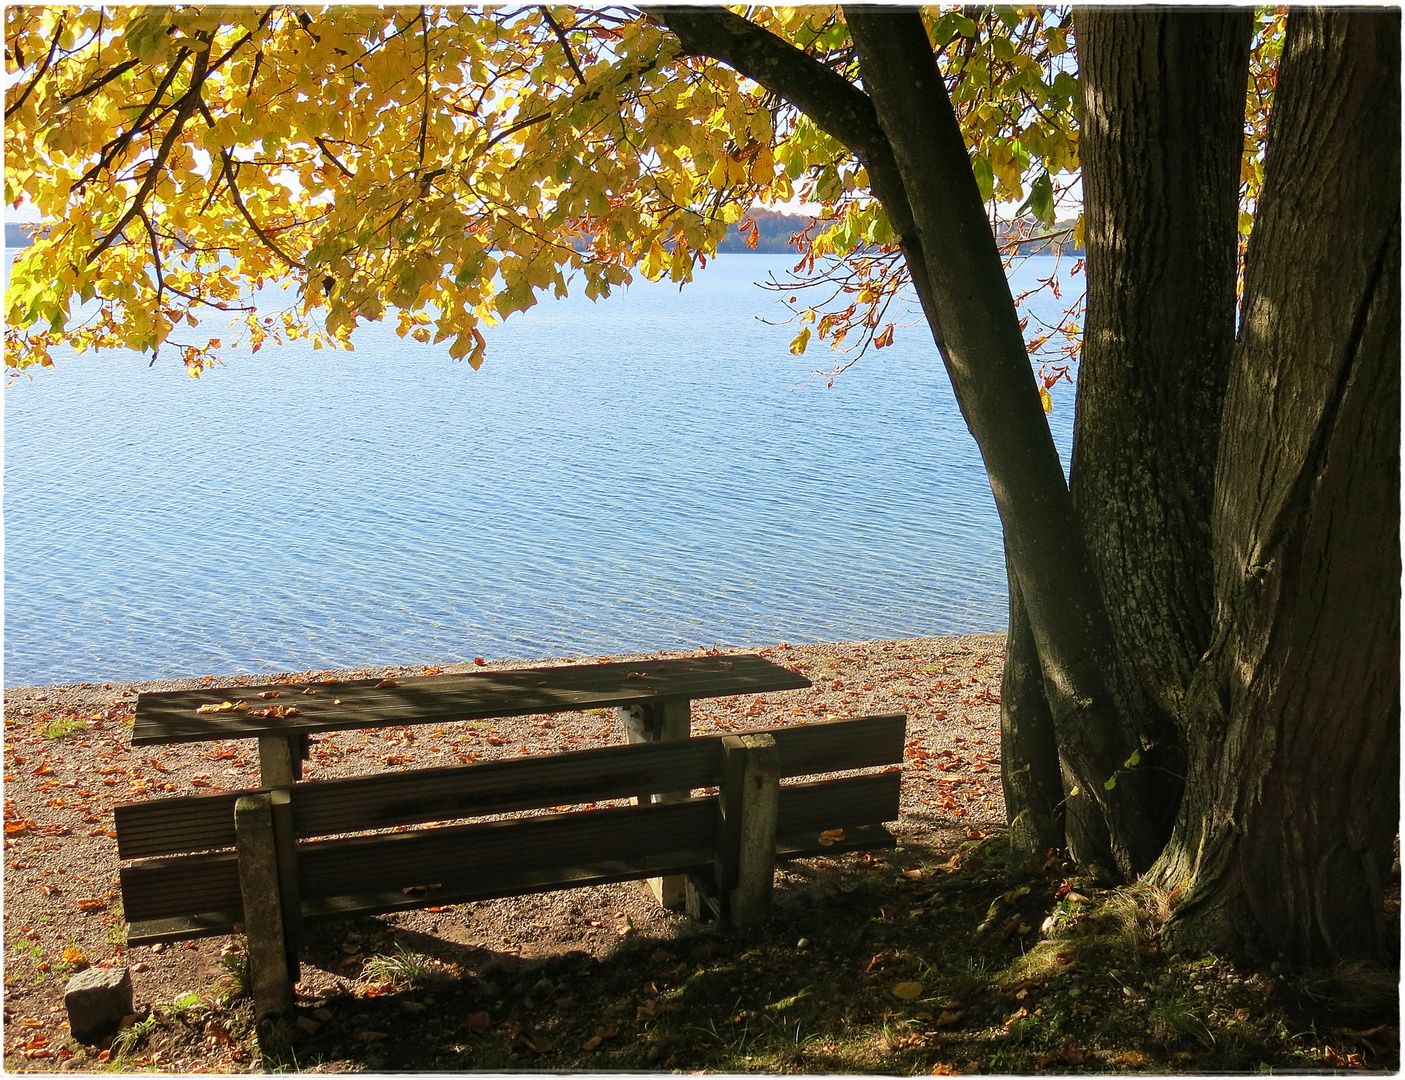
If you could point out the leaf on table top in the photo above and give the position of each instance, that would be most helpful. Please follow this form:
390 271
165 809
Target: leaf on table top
223 706
268 693
386 684
831 836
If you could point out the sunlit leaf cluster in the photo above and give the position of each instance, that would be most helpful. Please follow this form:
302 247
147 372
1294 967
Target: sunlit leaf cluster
443 165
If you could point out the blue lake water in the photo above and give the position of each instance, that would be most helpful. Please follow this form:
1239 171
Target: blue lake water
651 471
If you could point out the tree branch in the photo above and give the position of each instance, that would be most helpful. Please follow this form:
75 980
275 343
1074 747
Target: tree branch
189 101
565 45
226 162
833 103
43 68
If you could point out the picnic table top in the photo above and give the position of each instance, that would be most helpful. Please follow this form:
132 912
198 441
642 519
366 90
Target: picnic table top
300 707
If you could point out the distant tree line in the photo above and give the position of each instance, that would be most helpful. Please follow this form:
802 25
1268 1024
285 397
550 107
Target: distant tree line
774 231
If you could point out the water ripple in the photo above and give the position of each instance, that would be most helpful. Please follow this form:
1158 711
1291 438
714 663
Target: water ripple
652 471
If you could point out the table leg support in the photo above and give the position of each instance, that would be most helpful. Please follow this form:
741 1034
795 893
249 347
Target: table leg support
280 760
651 722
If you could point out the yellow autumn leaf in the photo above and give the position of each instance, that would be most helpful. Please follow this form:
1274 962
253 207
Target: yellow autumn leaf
831 836
1046 399
908 991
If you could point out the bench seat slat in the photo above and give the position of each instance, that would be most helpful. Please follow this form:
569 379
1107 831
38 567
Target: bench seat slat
323 807
170 716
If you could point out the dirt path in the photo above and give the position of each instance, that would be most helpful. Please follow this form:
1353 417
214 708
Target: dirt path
68 759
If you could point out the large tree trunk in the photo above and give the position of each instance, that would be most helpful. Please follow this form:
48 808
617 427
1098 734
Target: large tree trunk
1285 833
1161 140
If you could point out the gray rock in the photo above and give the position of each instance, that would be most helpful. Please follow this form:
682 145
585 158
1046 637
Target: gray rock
97 999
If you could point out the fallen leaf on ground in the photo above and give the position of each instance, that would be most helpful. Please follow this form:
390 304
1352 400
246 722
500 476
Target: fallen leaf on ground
591 1043
371 1036
908 991
540 1043
1131 1057
950 1017
477 1022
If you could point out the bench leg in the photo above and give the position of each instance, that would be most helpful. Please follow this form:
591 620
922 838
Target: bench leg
263 908
668 719
749 801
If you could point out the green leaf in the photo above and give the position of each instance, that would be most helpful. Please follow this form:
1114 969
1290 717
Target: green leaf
1133 761
1041 200
985 176
1110 782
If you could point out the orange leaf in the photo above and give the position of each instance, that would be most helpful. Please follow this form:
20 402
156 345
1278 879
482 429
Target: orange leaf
831 836
478 1022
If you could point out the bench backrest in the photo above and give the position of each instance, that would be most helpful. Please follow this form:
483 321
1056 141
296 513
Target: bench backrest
182 888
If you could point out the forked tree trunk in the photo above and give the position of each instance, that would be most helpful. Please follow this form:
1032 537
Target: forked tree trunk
1285 834
1162 136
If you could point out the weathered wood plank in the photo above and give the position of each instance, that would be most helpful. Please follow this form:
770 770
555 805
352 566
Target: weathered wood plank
170 716
323 807
199 895
181 886
481 856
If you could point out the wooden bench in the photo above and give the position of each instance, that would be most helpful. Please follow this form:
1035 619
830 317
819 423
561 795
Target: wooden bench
272 859
653 698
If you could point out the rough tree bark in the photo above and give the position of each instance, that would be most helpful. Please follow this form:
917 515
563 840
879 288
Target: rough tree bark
1162 135
1284 837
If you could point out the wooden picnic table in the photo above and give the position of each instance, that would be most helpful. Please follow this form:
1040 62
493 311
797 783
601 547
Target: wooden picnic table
654 698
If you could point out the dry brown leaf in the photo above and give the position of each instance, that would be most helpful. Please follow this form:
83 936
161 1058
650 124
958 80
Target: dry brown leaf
950 1018
592 1042
268 693
831 836
386 684
477 1022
